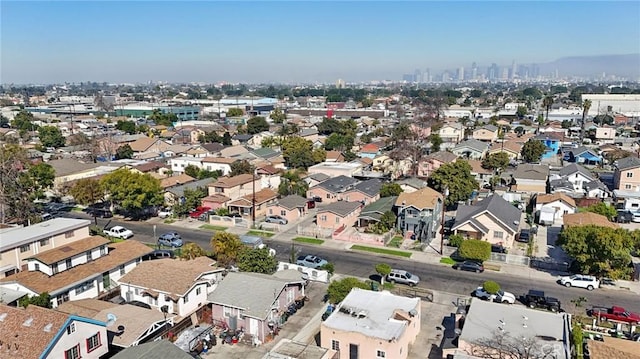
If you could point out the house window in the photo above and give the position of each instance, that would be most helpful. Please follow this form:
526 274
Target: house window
44 242
328 195
186 298
283 212
55 268
73 353
62 298
335 345
498 234
270 211
25 248
71 328
226 311
198 291
37 266
67 263
337 220
93 342
381 354
323 218
89 256
629 174
122 269
627 186
68 234
103 250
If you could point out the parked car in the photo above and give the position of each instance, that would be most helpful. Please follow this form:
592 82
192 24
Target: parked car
636 217
537 299
624 216
199 211
158 254
615 313
403 277
119 232
311 261
498 248
581 281
524 236
100 212
501 296
170 239
276 219
165 213
469 266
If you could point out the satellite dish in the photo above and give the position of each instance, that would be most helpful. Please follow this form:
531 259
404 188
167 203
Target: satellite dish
111 318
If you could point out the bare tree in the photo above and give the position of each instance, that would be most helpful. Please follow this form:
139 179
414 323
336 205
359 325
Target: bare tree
501 345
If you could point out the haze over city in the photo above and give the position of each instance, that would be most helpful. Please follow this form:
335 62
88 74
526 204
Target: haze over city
49 42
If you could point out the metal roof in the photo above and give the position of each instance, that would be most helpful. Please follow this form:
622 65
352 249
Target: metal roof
16 236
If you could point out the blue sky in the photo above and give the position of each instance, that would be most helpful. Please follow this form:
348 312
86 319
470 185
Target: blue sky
285 41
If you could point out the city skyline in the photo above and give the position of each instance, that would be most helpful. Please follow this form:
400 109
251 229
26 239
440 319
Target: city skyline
290 42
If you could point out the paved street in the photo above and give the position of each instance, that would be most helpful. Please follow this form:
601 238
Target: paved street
435 276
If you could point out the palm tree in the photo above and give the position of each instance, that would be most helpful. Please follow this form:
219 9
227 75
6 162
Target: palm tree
586 105
547 103
227 247
192 251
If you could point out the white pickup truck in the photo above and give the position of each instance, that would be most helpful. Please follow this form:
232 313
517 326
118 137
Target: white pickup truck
118 232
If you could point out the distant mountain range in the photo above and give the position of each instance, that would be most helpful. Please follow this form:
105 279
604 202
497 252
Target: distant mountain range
619 65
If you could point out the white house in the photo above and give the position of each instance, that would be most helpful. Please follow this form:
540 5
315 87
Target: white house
575 174
558 204
210 163
179 286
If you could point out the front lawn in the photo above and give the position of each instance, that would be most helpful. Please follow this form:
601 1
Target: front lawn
396 241
392 252
211 227
308 240
448 260
260 233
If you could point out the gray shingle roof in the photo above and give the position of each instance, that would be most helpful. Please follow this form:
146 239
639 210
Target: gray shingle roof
533 172
491 128
179 190
573 168
500 209
376 209
341 208
369 187
161 349
627 163
338 184
595 184
265 289
292 201
473 144
560 183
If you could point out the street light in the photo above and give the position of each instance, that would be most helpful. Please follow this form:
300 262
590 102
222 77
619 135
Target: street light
445 193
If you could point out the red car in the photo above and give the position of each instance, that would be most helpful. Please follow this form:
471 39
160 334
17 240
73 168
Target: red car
615 313
196 213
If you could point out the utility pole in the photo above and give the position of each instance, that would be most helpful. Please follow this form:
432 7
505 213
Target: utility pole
253 198
445 193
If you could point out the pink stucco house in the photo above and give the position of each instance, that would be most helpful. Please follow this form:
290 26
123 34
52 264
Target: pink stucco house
331 190
262 310
365 192
340 214
291 207
370 324
432 162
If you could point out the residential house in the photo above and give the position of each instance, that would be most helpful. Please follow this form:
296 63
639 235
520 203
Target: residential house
481 174
586 219
269 176
370 324
174 195
372 212
245 204
370 150
626 175
411 184
451 134
151 167
605 134
332 189
515 327
585 156
341 214
78 270
316 178
259 312
334 156
335 169
596 189
557 205
292 207
487 133
179 286
511 148
36 332
127 324
365 192
236 151
222 164
471 149
310 134
20 243
419 213
552 141
433 161
531 178
146 144
577 175
176 180
159 349
236 186
493 219
68 170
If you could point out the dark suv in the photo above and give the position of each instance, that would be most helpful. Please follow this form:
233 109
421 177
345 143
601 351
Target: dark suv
624 216
537 299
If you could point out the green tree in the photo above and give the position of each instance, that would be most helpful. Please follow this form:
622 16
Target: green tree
241 167
126 126
455 240
133 192
476 250
17 188
235 112
329 126
164 119
298 152
318 155
367 102
23 121
191 251
457 178
521 111
599 251
383 269
547 102
257 261
191 198
390 189
124 151
336 141
257 124
192 171
602 208
226 139
87 191
387 221
436 142
278 116
491 287
226 247
291 183
51 136
586 105
338 289
42 300
532 151
497 160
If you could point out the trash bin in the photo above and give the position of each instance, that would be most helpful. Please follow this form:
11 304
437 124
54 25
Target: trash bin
374 286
